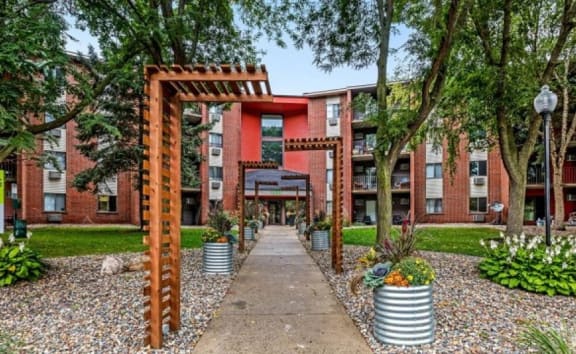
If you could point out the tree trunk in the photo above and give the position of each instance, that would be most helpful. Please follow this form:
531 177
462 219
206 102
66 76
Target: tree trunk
558 189
516 207
384 198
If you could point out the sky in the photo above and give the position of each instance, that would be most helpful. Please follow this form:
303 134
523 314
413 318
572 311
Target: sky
290 71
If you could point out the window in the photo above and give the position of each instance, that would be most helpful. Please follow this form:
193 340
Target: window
433 170
272 126
54 202
215 140
478 168
107 203
55 160
333 111
370 141
329 176
215 113
215 173
434 206
329 208
272 138
478 205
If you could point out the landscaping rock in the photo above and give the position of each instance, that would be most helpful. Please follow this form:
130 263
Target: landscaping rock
112 265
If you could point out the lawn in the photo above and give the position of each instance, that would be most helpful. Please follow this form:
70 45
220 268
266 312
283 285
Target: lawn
76 241
463 240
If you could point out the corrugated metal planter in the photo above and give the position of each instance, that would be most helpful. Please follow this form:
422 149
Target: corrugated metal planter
248 233
404 316
320 240
217 258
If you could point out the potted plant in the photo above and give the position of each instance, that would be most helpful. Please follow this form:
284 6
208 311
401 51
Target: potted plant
320 231
402 287
217 251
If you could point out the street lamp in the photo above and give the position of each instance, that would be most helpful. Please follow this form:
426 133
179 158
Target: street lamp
544 104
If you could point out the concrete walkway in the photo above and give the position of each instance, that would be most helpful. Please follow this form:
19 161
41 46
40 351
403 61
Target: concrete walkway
281 303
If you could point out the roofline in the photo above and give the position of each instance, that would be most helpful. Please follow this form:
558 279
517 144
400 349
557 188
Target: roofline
335 92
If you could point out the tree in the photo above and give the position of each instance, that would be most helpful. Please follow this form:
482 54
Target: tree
158 32
31 47
564 126
357 33
511 49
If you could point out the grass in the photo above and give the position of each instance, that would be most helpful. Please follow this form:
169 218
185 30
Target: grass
77 241
462 240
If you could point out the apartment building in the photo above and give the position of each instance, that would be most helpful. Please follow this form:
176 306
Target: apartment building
422 187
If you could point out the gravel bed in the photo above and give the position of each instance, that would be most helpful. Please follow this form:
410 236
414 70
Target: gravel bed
473 315
74 309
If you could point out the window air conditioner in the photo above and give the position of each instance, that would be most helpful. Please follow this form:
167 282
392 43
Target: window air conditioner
54 175
331 154
57 133
216 185
333 121
479 181
215 151
478 218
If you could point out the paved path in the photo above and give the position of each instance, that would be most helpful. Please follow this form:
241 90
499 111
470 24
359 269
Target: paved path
281 303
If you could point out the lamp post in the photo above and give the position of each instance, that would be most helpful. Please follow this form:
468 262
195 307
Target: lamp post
544 104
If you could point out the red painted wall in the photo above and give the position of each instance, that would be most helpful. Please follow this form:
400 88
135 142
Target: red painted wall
296 126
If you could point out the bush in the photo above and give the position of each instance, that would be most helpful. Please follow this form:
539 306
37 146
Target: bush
520 262
18 262
322 225
221 221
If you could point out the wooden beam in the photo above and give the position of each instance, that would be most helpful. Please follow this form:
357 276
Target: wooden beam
224 98
175 210
156 126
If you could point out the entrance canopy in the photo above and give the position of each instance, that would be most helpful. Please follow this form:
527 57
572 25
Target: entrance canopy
278 190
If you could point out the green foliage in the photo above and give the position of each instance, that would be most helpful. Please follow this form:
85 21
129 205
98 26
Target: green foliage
211 235
416 271
546 340
221 220
520 262
32 61
321 225
19 262
396 249
63 241
374 277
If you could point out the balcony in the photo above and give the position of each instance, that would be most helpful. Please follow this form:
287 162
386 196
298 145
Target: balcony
362 151
9 167
359 120
364 183
401 182
535 175
569 175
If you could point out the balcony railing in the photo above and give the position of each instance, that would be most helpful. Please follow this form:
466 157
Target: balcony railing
535 175
365 182
569 174
361 148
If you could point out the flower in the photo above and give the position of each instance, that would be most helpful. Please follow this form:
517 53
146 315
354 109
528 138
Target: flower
21 246
11 238
410 271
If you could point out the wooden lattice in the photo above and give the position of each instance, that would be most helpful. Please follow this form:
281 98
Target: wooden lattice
334 144
242 166
165 89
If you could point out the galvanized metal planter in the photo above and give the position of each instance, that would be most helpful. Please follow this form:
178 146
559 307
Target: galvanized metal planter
404 316
217 258
248 233
320 240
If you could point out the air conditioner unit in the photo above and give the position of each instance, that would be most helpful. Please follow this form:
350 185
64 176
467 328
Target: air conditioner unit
478 218
54 217
54 175
331 154
571 157
571 197
215 151
330 186
214 117
216 185
55 132
479 181
333 121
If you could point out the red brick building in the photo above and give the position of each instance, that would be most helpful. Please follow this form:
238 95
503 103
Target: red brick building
422 188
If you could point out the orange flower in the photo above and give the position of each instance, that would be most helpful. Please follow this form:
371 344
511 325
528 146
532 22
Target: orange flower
396 279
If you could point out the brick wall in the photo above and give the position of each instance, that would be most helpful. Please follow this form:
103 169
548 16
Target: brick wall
232 150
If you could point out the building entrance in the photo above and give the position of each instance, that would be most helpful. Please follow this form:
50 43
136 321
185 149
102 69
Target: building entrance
275 208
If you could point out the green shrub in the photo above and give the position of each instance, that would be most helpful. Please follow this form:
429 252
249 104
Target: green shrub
18 262
322 225
548 340
520 262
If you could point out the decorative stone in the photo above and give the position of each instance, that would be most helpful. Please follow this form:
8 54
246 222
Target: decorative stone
136 263
112 265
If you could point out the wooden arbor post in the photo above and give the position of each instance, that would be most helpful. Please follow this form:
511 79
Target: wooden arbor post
306 178
165 89
242 166
257 184
334 144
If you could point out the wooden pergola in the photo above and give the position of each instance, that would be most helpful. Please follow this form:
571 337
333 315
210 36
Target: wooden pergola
306 179
335 145
166 88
